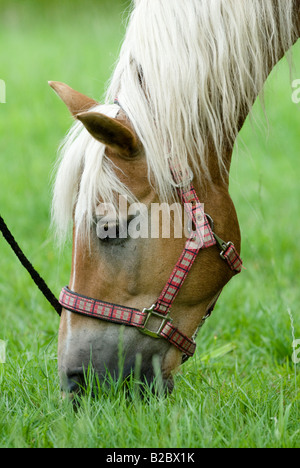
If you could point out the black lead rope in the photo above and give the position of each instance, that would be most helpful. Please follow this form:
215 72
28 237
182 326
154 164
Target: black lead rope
29 267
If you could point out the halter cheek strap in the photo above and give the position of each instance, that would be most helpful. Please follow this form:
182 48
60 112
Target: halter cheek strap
156 321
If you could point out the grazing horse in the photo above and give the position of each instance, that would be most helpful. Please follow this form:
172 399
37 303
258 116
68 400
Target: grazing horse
188 74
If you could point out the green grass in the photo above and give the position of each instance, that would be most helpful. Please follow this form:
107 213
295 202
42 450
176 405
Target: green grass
248 397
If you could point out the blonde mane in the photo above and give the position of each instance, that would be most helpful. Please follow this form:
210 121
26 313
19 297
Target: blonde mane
187 71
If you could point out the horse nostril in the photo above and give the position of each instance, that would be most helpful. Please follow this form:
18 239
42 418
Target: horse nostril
74 383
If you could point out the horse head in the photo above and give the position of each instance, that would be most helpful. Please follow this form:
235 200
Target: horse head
132 270
187 77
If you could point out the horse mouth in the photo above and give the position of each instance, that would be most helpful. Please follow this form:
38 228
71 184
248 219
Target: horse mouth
79 385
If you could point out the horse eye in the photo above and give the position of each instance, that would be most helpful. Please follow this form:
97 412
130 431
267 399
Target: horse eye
112 232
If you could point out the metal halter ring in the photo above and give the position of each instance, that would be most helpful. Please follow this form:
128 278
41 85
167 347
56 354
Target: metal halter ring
151 313
184 183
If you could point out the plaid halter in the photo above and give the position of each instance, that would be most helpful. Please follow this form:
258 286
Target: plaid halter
156 321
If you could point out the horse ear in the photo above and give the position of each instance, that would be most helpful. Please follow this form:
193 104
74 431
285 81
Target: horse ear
111 133
75 101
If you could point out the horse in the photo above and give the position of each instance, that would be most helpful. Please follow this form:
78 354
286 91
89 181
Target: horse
188 74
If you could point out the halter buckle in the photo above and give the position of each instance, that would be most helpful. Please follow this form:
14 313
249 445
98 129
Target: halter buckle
225 248
152 313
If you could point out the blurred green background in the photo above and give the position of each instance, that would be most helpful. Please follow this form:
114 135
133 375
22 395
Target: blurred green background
78 42
71 41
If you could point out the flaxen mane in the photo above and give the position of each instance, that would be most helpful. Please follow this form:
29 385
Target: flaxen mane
188 69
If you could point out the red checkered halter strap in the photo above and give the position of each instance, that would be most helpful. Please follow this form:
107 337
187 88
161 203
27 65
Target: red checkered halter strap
127 316
156 321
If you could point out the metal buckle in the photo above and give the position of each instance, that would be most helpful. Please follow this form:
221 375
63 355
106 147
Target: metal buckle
152 313
225 248
222 245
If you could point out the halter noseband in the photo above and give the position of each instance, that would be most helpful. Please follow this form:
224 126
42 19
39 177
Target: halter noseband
156 321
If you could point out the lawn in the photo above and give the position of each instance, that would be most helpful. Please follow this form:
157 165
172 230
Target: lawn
248 397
